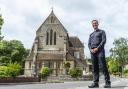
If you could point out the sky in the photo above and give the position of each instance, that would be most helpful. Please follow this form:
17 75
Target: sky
23 17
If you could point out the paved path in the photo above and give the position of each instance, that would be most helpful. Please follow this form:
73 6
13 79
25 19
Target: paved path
117 83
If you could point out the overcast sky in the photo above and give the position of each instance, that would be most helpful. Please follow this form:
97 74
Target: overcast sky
23 17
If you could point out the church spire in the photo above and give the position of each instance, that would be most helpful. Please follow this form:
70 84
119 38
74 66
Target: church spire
52 7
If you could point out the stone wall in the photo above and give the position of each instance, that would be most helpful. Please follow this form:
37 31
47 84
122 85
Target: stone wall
19 79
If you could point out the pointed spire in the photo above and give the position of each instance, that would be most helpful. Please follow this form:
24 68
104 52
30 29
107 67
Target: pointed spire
52 9
52 12
52 5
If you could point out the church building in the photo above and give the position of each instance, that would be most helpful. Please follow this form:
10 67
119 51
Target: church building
52 47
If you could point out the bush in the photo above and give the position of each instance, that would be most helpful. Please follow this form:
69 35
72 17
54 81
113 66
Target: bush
67 64
3 71
11 70
75 72
14 69
44 72
113 67
126 72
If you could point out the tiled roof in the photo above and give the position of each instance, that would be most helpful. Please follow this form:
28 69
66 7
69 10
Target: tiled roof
75 42
70 57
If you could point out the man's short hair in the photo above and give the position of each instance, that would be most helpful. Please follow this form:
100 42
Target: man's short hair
95 20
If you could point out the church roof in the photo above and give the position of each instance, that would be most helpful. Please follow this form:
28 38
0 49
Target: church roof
75 42
52 14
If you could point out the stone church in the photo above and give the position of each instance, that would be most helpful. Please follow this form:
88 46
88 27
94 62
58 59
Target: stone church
52 46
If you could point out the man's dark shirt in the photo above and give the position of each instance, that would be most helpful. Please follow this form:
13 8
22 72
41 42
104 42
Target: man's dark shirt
97 39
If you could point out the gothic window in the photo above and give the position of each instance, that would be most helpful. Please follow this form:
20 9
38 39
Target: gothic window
29 64
77 55
51 34
54 38
47 38
52 19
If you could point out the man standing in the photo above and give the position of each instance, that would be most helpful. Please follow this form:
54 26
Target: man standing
96 44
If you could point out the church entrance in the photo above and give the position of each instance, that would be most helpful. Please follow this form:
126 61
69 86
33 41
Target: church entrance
54 66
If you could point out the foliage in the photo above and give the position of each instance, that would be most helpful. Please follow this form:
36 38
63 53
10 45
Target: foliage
12 51
3 71
4 60
126 72
75 72
113 66
119 52
11 70
67 64
45 71
1 23
14 69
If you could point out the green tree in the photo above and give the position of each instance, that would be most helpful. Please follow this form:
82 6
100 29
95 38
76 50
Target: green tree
1 23
12 51
120 52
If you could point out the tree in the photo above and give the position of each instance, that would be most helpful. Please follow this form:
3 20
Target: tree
120 52
1 23
12 51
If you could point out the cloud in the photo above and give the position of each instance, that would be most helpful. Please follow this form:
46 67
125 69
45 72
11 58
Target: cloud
23 17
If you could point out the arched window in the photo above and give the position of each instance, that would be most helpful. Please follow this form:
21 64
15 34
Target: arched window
51 34
47 38
54 38
52 19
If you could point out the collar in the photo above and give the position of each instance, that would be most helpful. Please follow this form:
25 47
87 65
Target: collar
96 30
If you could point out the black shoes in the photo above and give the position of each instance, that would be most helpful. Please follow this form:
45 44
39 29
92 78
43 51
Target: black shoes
107 85
94 85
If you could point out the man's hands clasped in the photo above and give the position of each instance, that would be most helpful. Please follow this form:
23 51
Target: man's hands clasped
94 50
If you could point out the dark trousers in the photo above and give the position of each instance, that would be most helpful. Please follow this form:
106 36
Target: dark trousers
99 59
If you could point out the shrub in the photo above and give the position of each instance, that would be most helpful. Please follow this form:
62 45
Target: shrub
44 72
3 71
14 69
75 72
67 64
11 70
126 72
113 66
